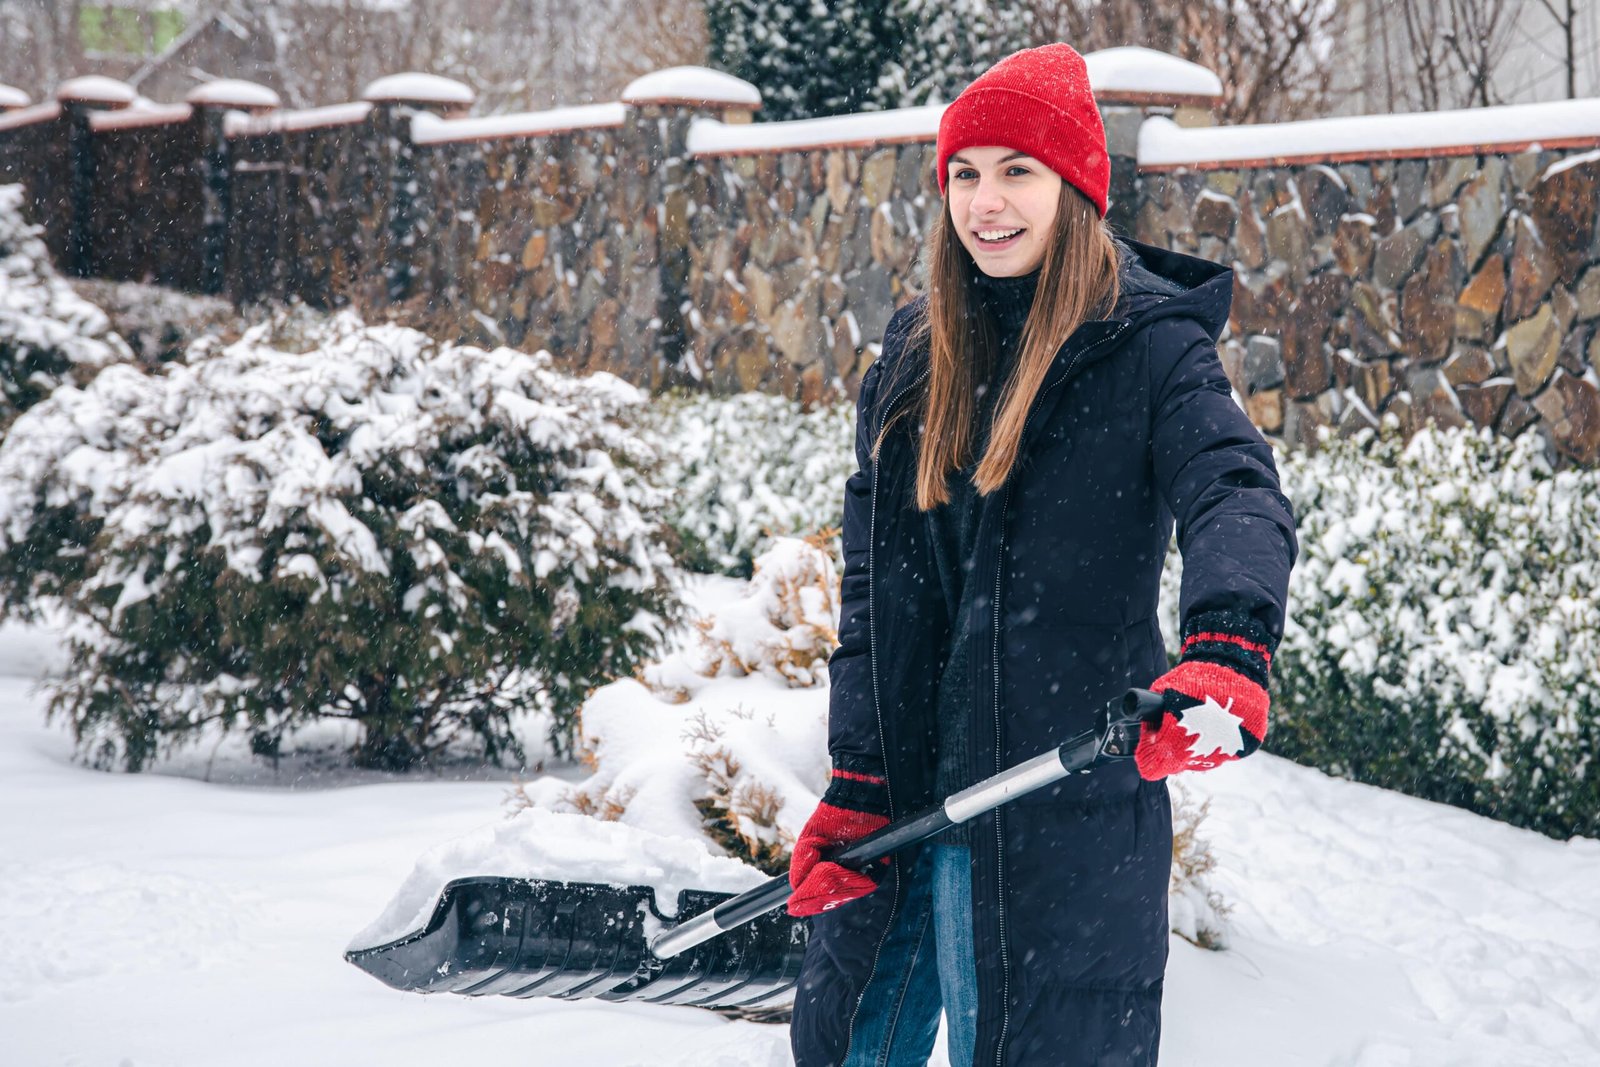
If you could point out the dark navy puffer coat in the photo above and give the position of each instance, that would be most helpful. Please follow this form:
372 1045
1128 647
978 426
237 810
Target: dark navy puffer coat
1134 428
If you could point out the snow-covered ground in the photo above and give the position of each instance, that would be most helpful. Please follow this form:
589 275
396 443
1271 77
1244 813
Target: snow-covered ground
161 919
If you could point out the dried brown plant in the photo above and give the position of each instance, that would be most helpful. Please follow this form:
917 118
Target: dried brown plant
1193 862
742 818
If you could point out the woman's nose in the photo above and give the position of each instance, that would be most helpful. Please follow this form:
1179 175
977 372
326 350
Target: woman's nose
987 199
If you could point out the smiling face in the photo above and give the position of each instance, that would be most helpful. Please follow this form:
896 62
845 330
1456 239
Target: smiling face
1003 203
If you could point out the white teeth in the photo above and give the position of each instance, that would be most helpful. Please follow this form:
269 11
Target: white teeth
997 235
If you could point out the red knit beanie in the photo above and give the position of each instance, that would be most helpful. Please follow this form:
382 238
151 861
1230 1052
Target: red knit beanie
1036 101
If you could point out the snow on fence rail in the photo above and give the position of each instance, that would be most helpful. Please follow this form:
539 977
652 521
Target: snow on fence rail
1128 75
241 125
709 137
1164 145
28 116
431 129
133 117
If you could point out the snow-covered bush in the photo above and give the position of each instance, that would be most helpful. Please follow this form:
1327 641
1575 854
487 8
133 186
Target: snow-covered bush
422 538
48 334
784 626
1444 633
159 323
744 467
725 739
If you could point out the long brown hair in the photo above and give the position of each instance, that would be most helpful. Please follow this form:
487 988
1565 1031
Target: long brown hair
1077 279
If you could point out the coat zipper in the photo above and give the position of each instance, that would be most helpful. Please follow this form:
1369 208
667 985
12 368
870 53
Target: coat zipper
999 748
877 705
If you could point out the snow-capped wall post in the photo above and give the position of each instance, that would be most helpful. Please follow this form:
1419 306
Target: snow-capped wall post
395 99
211 103
661 107
20 158
13 102
79 98
1132 84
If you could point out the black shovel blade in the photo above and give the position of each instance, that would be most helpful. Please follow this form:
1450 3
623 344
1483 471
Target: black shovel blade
529 937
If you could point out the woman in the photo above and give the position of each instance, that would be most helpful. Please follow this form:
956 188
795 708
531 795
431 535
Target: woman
1026 439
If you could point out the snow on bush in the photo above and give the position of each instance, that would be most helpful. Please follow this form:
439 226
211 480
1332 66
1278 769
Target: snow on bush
784 626
159 323
750 466
1444 630
425 539
687 749
48 334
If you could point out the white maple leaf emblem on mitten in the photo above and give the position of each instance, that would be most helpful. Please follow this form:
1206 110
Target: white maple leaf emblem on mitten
1212 727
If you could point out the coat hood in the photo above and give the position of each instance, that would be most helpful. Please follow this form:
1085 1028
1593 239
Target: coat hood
1157 283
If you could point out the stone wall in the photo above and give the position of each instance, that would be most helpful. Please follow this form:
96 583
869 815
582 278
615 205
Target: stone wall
549 242
306 214
147 209
671 242
1463 289
35 152
799 258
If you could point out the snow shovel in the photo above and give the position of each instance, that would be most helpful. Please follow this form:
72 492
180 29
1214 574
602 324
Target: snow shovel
529 937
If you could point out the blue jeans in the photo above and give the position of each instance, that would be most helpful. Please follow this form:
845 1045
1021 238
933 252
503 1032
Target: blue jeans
926 965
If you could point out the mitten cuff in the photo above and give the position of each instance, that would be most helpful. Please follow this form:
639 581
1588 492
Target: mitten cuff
859 785
1231 639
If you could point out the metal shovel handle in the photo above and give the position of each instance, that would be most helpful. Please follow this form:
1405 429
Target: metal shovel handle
1115 736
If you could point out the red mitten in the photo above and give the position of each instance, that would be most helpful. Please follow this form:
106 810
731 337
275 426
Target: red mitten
1216 698
855 805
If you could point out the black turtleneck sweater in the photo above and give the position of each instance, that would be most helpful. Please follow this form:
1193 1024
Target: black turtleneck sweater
953 528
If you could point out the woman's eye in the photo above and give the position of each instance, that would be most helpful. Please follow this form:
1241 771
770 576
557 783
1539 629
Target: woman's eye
965 175
1016 170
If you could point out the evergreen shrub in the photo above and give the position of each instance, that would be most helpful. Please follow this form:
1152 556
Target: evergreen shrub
48 334
811 59
807 58
1444 630
745 467
425 539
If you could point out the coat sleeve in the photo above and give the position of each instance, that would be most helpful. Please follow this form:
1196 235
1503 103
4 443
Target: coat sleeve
1216 473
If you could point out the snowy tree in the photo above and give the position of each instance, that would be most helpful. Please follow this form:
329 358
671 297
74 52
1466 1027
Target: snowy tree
809 58
950 42
425 540
1454 48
